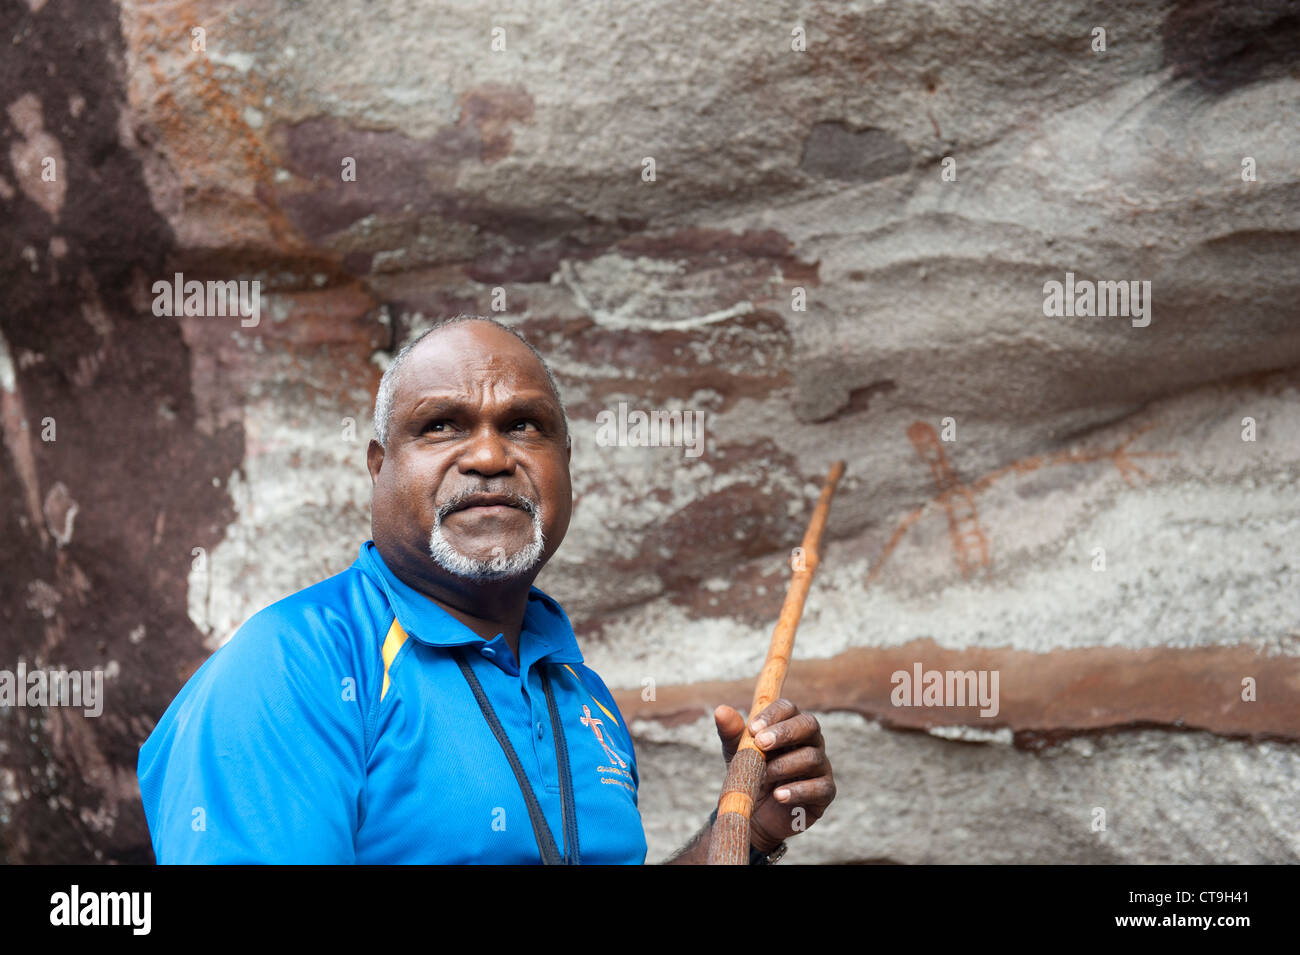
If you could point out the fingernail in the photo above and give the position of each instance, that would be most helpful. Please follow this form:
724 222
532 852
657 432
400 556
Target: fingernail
765 739
756 727
783 794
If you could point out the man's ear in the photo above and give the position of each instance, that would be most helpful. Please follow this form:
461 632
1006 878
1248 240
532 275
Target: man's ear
374 460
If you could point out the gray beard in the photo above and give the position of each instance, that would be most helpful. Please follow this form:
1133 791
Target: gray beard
500 566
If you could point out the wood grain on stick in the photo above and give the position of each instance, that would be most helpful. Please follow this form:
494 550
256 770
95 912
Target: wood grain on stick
729 840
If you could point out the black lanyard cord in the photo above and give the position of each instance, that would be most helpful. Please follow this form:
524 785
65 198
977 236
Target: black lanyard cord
541 831
569 810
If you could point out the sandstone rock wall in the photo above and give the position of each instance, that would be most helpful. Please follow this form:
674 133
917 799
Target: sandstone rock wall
842 253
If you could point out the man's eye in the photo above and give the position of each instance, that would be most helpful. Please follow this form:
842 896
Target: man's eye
441 425
525 425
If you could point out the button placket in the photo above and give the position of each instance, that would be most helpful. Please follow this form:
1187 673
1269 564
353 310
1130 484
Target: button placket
543 740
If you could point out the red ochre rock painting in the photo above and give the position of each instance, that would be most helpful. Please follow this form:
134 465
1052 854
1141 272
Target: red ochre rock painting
970 540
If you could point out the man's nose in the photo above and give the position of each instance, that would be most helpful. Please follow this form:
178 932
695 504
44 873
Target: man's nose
487 453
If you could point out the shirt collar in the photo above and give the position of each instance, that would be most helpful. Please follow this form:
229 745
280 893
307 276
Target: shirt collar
546 633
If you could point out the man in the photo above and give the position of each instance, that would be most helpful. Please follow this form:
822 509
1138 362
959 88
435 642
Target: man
429 704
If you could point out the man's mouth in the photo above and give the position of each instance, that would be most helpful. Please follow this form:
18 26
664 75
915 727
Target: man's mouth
483 503
493 518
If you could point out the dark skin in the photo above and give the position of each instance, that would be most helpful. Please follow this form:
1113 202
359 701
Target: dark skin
473 411
798 776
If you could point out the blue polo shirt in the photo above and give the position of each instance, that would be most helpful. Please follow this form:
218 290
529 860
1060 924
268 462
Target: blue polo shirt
336 727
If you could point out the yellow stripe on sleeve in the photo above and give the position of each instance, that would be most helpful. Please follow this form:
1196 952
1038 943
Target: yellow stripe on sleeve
592 695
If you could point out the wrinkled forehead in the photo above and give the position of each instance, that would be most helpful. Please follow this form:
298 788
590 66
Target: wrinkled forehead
475 361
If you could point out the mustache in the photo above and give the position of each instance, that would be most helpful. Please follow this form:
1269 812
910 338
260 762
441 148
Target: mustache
520 501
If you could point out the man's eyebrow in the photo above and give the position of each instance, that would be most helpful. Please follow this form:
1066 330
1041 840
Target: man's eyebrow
431 404
541 406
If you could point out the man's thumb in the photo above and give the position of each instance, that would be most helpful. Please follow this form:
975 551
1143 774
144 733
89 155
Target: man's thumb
730 727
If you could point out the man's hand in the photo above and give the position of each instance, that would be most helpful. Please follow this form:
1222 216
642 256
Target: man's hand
798 773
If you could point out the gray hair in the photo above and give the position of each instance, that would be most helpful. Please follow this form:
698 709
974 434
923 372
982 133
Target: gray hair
388 383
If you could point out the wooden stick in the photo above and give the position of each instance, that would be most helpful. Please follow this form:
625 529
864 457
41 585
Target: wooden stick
729 841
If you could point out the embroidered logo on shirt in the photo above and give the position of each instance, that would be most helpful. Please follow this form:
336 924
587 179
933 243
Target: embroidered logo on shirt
596 724
620 774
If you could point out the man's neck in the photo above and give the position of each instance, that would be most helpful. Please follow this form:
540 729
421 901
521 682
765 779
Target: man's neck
486 616
486 607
